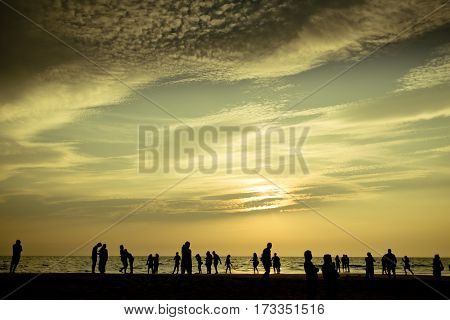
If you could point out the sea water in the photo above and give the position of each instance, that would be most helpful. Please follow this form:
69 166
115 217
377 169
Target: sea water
289 265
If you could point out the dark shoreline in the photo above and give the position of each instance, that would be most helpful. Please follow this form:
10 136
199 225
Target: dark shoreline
237 286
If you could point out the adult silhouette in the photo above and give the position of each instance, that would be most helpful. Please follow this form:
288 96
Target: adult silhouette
123 259
130 260
330 276
149 263
311 274
384 264
391 263
208 262
407 265
94 256
103 258
255 261
266 259
228 264
438 267
337 260
16 254
176 260
216 260
186 258
156 264
369 266
199 262
276 262
345 263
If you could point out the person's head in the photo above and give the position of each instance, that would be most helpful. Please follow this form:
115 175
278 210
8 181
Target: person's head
308 255
177 254
157 255
406 257
254 254
151 256
187 244
121 247
214 252
99 244
104 246
436 256
126 251
208 253
269 245
389 251
327 259
18 242
369 254
275 254
228 256
337 257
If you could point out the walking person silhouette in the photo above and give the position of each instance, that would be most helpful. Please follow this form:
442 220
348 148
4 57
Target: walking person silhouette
103 258
407 265
311 275
94 256
176 260
149 263
216 260
156 264
186 258
266 260
228 264
438 267
199 262
123 259
255 262
208 262
15 259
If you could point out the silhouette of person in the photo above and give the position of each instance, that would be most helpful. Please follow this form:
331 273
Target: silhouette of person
391 263
155 264
130 260
337 260
347 263
149 263
330 276
344 262
208 262
103 258
199 262
17 252
228 264
276 262
176 260
438 267
406 265
186 258
216 260
94 256
384 264
266 260
255 261
311 274
123 259
370 274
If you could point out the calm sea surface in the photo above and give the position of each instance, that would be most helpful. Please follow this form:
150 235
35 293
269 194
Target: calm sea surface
240 264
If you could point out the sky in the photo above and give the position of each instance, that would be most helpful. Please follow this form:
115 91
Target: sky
369 79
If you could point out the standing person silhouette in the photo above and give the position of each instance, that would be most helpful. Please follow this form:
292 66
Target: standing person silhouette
149 263
255 261
311 275
123 259
370 267
266 260
208 262
228 264
103 258
438 267
384 264
199 262
156 264
216 260
330 276
391 263
407 265
130 260
276 262
17 252
337 260
344 262
186 258
176 260
94 256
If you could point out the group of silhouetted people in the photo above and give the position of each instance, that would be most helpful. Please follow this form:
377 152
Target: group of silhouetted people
330 269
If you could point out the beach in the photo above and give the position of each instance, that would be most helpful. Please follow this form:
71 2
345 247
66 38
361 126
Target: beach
209 287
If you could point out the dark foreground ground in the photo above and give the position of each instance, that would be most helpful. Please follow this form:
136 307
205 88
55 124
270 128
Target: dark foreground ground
141 286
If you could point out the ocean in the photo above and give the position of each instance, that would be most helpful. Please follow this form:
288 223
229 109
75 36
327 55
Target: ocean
289 265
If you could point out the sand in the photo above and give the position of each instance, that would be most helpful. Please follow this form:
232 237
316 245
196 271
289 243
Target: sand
164 286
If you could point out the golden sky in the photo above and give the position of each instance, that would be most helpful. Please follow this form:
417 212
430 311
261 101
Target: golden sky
73 94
